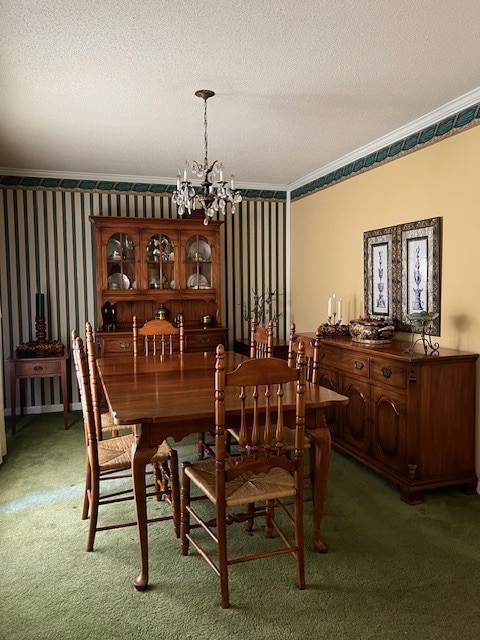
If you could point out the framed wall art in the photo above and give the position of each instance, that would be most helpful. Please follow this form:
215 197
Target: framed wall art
378 272
420 260
402 272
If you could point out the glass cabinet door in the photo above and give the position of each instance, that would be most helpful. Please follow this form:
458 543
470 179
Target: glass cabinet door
198 263
160 262
121 262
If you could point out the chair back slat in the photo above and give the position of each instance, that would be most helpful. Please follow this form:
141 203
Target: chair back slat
159 336
261 340
258 385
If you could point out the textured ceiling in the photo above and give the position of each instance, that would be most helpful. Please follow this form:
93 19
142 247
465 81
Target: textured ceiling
107 87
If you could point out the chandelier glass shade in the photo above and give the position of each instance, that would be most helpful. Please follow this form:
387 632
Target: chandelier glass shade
214 193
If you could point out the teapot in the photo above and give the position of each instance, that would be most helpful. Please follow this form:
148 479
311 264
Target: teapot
162 313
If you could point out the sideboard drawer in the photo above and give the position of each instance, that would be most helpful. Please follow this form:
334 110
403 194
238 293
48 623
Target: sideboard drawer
388 372
352 363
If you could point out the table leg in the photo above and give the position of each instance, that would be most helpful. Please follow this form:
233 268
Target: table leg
64 384
141 455
13 398
321 442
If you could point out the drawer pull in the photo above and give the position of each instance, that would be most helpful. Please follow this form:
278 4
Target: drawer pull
386 372
359 365
38 367
205 340
124 345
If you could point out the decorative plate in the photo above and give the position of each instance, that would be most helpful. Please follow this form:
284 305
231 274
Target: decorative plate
114 249
197 283
204 251
118 281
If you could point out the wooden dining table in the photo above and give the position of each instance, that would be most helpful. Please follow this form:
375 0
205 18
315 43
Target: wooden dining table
173 396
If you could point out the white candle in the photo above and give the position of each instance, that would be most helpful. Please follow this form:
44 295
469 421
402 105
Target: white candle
232 182
221 173
339 309
185 172
329 313
178 180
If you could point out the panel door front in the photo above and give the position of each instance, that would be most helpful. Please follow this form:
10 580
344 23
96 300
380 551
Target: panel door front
388 428
356 424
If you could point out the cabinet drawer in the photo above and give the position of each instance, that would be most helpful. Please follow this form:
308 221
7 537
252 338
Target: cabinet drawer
350 362
204 340
40 369
115 344
388 372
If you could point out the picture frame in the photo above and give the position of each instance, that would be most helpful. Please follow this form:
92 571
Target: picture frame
420 243
379 249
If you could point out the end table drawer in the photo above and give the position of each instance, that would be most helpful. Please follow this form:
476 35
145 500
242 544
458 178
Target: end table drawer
40 369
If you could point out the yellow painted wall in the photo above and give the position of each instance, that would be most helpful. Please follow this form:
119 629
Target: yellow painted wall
327 237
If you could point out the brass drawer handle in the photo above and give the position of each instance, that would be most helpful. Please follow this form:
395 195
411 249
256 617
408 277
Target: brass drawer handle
38 367
386 372
205 340
124 345
359 365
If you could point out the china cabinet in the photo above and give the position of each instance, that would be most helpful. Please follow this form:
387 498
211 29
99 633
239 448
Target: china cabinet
410 416
151 268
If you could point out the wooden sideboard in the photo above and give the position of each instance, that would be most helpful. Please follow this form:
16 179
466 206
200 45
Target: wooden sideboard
410 416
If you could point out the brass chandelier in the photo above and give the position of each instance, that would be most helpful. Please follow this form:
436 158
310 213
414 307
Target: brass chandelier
211 196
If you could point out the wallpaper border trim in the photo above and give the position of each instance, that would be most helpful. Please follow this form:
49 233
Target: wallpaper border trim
433 133
105 186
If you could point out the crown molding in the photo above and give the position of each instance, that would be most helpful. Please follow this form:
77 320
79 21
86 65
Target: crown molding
448 109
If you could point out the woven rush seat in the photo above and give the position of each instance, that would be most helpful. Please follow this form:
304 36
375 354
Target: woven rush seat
278 483
116 453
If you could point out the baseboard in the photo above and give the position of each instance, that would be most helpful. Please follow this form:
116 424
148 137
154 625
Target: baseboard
48 408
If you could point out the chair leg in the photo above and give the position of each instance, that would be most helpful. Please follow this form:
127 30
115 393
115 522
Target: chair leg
184 514
200 445
269 515
94 498
250 514
222 557
299 542
175 491
88 487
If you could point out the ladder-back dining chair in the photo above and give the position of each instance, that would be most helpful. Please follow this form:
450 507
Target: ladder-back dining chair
262 473
103 421
159 336
110 459
261 340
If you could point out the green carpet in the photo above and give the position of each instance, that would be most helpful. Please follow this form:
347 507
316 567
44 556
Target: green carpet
393 571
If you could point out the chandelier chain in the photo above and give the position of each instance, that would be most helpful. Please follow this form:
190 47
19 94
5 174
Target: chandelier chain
205 137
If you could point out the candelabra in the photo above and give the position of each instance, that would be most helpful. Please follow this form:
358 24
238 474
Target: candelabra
211 197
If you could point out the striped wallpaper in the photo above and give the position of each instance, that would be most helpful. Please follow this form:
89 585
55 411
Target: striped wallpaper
48 247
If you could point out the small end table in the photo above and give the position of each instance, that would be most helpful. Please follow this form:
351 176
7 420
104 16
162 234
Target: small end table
37 367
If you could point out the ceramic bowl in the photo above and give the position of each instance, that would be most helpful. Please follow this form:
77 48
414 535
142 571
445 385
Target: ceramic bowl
370 331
